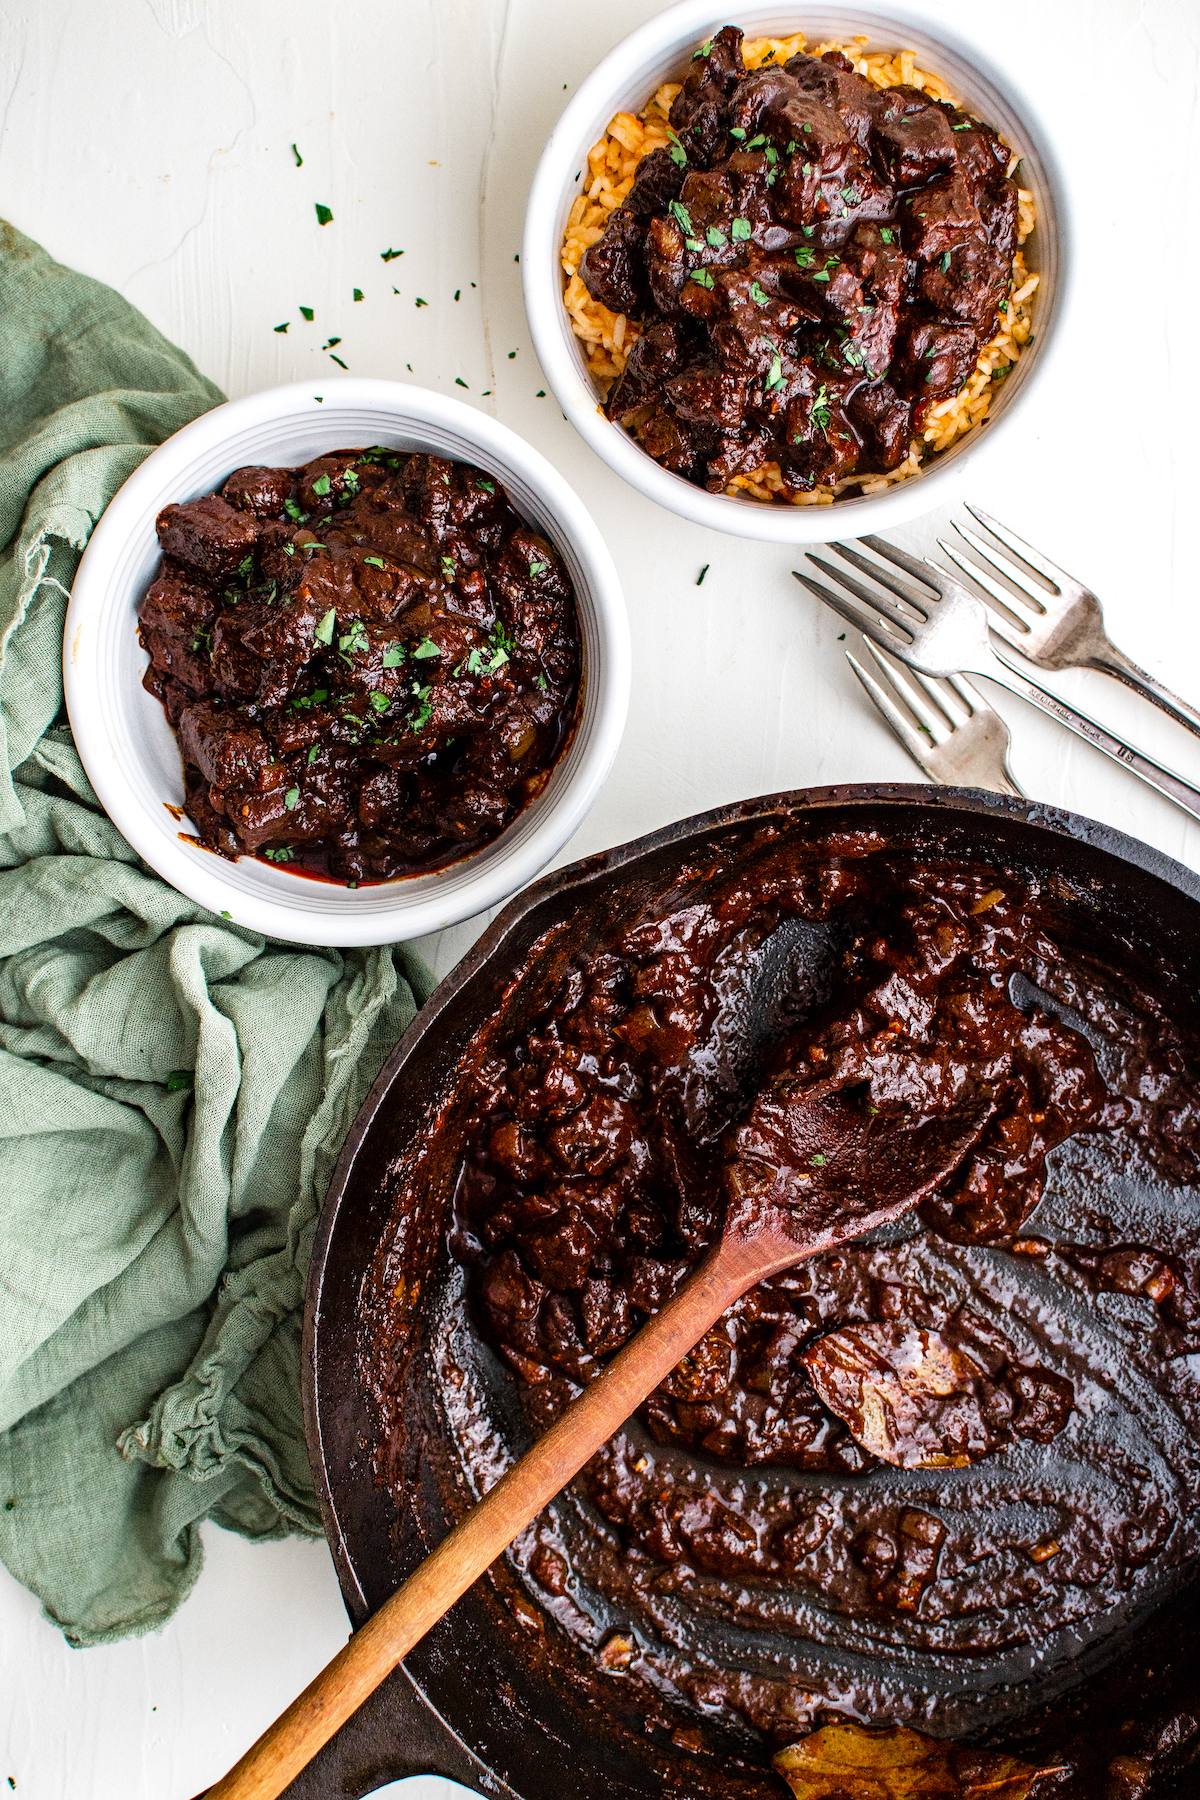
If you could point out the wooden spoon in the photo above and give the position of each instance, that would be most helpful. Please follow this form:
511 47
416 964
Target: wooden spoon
807 1175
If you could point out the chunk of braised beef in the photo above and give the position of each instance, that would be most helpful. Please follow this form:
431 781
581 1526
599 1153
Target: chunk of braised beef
832 79
820 443
699 111
657 354
740 455
655 184
968 282
228 749
258 490
933 358
911 137
613 269
666 438
175 625
208 535
707 391
883 422
940 217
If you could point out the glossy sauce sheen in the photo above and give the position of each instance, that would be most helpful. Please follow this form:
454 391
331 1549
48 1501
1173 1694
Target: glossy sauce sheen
371 662
815 262
933 1476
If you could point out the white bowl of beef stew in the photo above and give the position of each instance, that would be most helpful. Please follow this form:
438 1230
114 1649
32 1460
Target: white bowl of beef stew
663 51
132 755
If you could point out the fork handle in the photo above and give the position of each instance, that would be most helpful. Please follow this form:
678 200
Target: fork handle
1115 662
1173 786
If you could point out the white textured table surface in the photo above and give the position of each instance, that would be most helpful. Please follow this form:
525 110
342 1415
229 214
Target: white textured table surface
148 142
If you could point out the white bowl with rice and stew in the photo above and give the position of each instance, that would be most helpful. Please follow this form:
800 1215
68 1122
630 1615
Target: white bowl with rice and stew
422 601
786 432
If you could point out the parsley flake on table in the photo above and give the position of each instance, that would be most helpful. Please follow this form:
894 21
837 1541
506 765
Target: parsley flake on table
457 292
358 293
324 216
459 382
323 629
421 302
306 312
338 361
331 343
282 327
298 157
703 573
390 255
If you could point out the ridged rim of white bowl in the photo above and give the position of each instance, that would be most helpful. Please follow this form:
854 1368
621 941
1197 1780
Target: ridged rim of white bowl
628 74
122 733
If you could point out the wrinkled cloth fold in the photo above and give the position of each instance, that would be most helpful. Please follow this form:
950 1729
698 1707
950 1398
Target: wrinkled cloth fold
174 1089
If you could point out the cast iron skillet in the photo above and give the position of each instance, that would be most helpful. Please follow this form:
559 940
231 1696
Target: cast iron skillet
479 1701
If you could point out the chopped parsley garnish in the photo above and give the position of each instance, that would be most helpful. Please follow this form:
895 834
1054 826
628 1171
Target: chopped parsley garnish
425 649
772 155
389 255
945 261
716 237
306 312
290 798
379 701
202 640
678 153
885 232
323 630
1001 371
538 568
331 343
449 568
756 141
758 296
740 230
701 277
540 681
459 382
817 1160
376 562
965 126
353 642
293 512
314 750
281 853
316 698
703 573
358 293
735 131
420 302
298 157
393 655
774 378
848 195
805 256
818 412
702 51
282 327
321 486
489 487
682 217
338 361
324 216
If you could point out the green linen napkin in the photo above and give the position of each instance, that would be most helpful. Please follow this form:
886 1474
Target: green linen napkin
174 1089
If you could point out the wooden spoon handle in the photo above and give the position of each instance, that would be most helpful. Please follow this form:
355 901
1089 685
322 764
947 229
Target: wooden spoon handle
402 1621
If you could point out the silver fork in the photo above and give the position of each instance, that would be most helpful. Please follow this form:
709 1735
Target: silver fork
966 742
1059 629
945 632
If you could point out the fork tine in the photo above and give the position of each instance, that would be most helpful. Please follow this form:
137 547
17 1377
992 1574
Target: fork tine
1008 623
863 618
920 571
969 694
919 603
879 603
904 684
916 746
1032 558
955 711
1001 564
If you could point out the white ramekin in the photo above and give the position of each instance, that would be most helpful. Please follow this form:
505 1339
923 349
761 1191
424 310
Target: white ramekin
131 754
624 81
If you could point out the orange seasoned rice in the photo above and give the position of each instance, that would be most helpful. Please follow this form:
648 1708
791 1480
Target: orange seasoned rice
607 337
